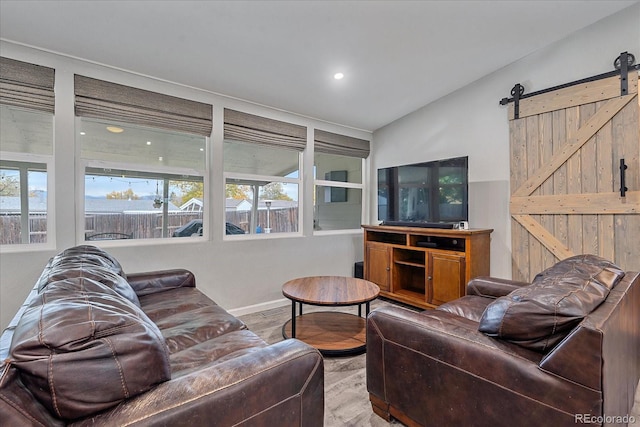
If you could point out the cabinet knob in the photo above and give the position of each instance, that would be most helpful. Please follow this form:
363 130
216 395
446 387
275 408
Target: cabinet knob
429 277
388 268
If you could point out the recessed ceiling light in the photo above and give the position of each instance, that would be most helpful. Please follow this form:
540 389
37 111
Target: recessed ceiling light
83 133
338 76
115 129
148 142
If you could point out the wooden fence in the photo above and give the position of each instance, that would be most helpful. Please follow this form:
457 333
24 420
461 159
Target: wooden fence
143 225
10 227
280 220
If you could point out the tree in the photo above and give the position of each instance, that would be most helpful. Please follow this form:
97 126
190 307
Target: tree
123 195
9 185
238 192
274 191
189 190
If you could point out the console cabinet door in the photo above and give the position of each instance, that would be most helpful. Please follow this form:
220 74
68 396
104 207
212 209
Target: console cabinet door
378 265
446 277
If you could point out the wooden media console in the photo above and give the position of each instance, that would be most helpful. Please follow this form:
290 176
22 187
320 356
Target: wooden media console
424 267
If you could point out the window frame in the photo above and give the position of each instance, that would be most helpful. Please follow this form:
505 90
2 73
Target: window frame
251 177
339 184
161 173
48 161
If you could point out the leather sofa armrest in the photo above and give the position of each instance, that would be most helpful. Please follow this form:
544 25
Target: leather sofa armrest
151 282
492 287
437 353
282 384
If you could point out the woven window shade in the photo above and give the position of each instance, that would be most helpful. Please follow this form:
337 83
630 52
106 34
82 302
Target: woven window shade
260 130
27 85
105 100
332 143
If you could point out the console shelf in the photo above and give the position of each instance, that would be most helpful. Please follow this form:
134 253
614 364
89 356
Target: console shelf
424 267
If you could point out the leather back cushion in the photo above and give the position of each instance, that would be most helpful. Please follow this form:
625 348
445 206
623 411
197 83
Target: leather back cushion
106 276
540 315
84 255
82 348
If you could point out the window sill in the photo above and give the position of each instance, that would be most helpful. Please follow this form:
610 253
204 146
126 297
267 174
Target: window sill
259 236
335 232
27 247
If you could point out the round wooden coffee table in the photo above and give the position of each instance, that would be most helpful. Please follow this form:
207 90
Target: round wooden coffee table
333 333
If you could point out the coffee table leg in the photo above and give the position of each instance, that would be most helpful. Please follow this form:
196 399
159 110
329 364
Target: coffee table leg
359 310
367 310
293 319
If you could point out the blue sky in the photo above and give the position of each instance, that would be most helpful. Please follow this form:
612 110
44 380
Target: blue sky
100 186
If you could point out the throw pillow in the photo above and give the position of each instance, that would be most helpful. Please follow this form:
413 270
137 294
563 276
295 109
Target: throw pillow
540 315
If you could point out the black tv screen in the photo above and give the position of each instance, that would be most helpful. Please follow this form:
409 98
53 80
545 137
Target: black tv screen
424 194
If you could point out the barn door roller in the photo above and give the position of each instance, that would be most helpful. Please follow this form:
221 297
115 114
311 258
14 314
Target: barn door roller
622 64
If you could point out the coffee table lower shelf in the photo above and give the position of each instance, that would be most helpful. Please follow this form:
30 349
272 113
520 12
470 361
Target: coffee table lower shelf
332 333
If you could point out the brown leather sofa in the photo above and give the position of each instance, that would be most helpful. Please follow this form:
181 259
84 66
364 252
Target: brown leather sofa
95 346
561 351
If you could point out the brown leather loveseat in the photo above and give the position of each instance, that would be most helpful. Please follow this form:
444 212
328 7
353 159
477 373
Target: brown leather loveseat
561 351
95 346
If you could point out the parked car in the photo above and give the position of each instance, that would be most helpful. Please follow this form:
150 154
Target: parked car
194 227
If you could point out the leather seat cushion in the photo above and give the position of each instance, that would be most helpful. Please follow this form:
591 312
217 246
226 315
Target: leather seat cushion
217 350
79 347
540 315
187 317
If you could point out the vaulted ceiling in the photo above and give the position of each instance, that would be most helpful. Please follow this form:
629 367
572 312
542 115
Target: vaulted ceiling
396 56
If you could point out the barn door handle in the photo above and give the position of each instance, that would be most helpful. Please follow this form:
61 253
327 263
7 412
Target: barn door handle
623 169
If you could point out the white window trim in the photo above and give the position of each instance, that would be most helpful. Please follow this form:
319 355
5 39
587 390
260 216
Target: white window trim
269 178
364 206
51 240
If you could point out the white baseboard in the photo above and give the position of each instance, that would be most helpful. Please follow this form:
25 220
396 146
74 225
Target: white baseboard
241 311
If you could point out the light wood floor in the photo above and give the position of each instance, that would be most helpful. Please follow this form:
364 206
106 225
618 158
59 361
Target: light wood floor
346 397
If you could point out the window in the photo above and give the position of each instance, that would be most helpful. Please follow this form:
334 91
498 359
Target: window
262 160
338 174
143 165
128 204
23 202
140 183
26 151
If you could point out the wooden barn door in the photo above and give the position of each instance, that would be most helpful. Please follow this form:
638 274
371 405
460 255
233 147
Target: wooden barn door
566 148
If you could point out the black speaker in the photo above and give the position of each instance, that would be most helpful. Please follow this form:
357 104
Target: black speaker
358 270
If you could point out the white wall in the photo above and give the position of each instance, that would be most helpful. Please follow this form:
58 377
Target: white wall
241 276
470 122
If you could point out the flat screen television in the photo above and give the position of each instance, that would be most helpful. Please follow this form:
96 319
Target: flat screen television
429 194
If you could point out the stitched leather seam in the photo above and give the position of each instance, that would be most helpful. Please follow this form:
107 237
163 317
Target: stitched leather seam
52 389
209 392
125 391
306 383
497 384
384 340
546 371
511 303
440 331
562 298
19 409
